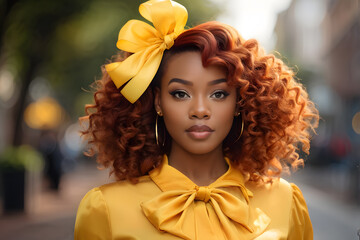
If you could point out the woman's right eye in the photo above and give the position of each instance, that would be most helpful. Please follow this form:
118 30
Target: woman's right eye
180 94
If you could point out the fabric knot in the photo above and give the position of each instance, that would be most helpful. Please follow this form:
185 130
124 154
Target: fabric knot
147 43
202 194
169 40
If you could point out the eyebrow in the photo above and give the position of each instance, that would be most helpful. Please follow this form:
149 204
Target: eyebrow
185 82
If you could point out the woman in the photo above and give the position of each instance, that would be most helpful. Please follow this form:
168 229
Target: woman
197 138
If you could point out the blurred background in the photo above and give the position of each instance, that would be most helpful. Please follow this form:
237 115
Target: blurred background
51 52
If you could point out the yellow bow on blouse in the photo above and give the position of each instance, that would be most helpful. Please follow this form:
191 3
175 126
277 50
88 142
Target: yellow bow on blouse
218 211
147 45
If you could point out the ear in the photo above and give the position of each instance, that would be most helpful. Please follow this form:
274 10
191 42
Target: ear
157 101
237 110
237 107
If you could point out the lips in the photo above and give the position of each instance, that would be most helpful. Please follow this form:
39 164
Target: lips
199 128
199 132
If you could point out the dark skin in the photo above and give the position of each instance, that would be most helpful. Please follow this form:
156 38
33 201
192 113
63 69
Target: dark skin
198 107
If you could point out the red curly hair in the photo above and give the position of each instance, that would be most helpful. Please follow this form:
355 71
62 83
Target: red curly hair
277 113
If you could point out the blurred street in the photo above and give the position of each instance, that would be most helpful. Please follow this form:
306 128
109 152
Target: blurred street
51 55
333 216
53 215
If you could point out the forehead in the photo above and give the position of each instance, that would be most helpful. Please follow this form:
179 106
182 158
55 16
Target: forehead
188 66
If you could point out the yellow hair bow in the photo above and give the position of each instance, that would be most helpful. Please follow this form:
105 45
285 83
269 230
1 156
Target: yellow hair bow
148 45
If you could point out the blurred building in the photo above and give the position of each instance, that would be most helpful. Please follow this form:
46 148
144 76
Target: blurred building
341 53
323 38
342 58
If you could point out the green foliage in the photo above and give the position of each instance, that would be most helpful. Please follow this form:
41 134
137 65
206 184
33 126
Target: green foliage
21 158
30 27
67 41
200 11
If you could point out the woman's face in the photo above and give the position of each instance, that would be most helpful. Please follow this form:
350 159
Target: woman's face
197 104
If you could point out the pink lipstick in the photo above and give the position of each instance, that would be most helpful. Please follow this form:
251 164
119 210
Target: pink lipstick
199 132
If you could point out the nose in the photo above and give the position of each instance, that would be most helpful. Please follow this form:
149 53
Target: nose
199 109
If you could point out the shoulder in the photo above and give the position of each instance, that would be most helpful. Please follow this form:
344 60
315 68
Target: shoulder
279 187
127 188
92 216
275 199
119 195
300 223
284 203
106 209
92 199
123 185
279 191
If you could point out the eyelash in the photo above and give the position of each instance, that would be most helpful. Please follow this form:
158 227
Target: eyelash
176 93
224 94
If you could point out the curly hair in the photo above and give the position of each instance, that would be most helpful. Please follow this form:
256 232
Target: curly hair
277 114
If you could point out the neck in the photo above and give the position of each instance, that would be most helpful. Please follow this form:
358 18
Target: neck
202 169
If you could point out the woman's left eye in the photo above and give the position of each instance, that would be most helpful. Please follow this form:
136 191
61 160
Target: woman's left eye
219 95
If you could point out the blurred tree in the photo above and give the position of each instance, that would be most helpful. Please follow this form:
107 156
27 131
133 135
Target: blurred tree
66 42
5 8
29 28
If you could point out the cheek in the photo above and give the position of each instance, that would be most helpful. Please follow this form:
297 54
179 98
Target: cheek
174 113
226 114
226 117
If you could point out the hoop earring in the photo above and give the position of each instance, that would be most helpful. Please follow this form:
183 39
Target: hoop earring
156 130
242 129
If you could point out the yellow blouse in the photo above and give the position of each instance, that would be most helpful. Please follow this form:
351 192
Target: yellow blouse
168 205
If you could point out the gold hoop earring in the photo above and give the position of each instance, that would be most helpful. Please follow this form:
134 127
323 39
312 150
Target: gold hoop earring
242 129
156 130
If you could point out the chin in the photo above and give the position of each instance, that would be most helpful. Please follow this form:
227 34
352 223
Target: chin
201 149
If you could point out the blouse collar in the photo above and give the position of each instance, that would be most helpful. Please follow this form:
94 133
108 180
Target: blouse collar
169 178
220 210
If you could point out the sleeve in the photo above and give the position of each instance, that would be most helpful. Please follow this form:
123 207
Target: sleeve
300 223
92 218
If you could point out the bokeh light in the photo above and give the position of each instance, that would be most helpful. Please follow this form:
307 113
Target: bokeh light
45 113
7 85
356 122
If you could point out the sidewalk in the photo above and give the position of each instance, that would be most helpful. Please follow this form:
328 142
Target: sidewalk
334 216
53 214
